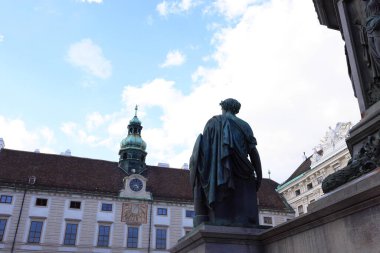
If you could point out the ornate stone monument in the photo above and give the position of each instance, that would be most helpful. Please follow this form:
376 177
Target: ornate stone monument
359 23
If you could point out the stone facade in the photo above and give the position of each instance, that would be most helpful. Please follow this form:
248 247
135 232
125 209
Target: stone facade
57 214
69 204
304 186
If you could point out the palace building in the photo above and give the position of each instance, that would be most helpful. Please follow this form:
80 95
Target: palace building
304 186
62 203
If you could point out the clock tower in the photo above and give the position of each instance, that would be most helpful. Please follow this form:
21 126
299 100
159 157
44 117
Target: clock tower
132 148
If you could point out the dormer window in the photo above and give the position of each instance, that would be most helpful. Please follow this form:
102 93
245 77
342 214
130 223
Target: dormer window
41 202
75 204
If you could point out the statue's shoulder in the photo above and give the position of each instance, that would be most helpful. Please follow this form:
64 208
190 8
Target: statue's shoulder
215 119
244 126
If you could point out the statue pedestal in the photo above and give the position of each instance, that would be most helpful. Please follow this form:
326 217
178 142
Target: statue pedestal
368 125
220 239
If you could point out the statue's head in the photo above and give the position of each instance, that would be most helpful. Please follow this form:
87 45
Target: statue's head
230 105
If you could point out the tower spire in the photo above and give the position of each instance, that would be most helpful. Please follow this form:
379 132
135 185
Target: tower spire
132 148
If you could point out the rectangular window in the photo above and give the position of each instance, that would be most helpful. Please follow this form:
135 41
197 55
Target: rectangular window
336 167
268 220
190 214
160 238
75 204
70 234
298 192
6 199
162 211
106 207
133 237
3 223
300 210
104 235
41 202
309 186
35 232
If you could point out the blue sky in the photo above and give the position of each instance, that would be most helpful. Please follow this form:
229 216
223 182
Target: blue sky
71 72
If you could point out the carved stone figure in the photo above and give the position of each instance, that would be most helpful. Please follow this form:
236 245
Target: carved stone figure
365 161
316 154
332 136
224 180
372 11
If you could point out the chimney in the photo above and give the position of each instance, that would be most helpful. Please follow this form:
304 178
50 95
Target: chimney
66 153
32 180
2 143
163 165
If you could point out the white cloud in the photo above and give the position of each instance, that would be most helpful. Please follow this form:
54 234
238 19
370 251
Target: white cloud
68 128
16 135
290 77
174 7
1 37
47 134
88 56
98 130
231 8
95 119
173 58
92 1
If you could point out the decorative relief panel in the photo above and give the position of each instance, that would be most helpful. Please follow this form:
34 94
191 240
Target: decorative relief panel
134 213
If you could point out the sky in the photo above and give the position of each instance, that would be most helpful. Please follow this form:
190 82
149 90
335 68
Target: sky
72 71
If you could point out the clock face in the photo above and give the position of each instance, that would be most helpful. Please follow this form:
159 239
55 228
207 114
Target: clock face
136 184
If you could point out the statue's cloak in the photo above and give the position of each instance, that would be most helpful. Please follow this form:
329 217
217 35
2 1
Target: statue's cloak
220 155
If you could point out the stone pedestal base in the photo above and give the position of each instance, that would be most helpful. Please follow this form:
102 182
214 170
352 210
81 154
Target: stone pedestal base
368 125
220 239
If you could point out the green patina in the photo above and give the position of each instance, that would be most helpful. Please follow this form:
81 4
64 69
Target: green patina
280 187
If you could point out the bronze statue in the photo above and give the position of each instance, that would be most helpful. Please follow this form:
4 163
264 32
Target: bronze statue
372 26
224 180
372 11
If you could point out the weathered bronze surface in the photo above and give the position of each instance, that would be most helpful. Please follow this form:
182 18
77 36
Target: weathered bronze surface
224 180
365 161
372 28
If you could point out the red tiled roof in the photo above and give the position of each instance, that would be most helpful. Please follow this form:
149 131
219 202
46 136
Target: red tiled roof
58 171
269 198
99 176
304 166
166 183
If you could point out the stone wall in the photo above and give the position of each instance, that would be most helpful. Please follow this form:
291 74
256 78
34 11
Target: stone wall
345 220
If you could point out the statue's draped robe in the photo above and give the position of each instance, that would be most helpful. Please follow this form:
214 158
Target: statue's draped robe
220 158
373 32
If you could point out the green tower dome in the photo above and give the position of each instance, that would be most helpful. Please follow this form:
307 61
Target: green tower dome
133 141
132 148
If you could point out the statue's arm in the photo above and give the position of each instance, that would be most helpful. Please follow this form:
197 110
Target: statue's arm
255 160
